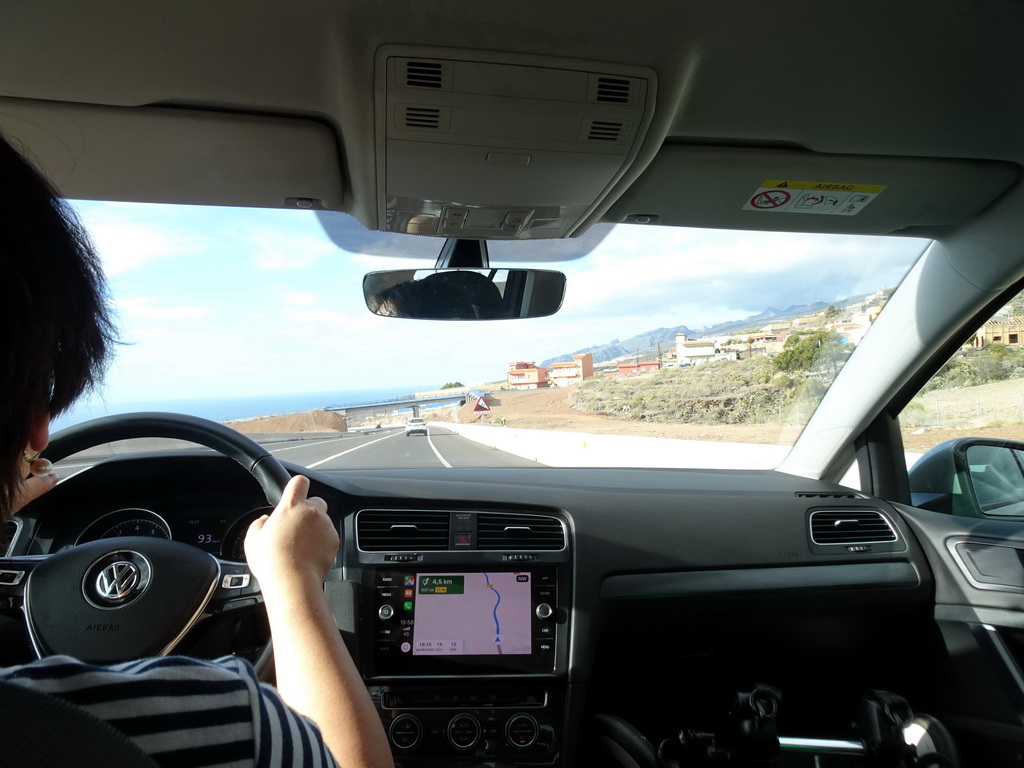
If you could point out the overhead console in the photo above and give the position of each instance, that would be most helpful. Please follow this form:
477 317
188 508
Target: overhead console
464 630
487 145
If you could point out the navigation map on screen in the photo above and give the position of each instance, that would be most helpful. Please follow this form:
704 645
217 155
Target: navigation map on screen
472 614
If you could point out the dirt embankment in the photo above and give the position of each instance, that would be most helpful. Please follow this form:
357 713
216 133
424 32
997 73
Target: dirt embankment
549 409
308 421
991 410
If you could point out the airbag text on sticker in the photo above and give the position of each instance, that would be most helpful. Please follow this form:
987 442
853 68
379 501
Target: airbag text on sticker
821 197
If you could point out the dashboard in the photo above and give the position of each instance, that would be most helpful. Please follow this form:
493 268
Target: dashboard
491 612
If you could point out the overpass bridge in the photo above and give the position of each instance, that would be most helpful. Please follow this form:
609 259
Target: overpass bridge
413 401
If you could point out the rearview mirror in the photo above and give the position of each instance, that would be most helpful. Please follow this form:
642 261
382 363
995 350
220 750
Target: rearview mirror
972 477
464 294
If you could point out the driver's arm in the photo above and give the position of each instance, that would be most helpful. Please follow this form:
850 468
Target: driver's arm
290 553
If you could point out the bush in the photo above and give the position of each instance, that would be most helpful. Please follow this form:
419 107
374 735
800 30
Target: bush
721 392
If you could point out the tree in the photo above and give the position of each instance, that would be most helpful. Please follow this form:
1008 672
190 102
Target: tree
820 350
453 385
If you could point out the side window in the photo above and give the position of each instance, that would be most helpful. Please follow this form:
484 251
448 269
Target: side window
964 431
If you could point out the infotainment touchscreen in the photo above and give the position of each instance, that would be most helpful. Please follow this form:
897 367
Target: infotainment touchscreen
464 621
472 613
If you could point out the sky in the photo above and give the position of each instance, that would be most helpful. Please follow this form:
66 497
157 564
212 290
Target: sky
233 302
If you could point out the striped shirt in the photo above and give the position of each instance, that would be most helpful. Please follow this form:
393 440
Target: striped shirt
183 711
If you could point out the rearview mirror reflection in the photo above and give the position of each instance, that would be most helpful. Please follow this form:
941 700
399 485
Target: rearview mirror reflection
464 294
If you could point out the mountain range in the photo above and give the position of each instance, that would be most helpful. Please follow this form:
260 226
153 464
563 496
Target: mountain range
643 344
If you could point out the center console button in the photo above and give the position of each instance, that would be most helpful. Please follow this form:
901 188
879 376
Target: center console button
464 731
386 612
405 731
544 611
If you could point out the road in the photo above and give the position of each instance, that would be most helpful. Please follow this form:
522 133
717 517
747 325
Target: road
372 449
390 447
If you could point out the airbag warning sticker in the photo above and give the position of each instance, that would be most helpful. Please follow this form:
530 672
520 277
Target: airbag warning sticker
784 196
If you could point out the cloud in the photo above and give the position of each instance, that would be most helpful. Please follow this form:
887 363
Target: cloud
300 299
145 308
704 276
127 246
277 250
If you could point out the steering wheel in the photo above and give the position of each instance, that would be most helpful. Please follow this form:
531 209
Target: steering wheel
133 597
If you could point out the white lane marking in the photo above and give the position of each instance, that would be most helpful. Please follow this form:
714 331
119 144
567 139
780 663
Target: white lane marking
329 458
306 444
437 452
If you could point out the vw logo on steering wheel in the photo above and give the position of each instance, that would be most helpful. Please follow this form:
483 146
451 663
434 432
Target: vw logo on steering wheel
117 581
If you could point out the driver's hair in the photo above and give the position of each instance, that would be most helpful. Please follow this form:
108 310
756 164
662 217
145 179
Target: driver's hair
58 331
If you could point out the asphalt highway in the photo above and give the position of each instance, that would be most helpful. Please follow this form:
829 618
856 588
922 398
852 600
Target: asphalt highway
391 447
372 449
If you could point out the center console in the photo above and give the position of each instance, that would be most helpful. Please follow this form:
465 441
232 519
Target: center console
464 649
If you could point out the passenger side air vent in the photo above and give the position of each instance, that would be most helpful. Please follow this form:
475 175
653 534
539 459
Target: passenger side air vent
425 74
410 116
612 90
829 495
604 130
511 531
851 526
391 530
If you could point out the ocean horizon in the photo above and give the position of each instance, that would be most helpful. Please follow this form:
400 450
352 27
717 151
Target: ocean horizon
230 409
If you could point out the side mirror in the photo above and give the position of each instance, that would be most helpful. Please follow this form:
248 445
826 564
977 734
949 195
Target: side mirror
972 477
464 294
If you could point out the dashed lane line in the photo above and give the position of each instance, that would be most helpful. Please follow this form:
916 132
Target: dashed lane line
350 450
306 445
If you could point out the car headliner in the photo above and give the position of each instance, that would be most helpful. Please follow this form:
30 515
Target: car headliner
179 103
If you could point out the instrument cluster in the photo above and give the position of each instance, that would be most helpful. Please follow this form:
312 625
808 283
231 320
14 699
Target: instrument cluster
212 525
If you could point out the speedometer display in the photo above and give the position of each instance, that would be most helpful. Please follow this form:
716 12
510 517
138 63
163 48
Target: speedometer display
216 525
137 527
130 521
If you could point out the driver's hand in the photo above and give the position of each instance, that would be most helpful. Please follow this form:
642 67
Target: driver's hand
295 546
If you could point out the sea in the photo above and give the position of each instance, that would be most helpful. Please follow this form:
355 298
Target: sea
231 409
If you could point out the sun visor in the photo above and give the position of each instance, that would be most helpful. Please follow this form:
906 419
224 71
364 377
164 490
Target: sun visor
796 191
160 155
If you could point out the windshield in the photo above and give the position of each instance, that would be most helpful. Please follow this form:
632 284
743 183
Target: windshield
673 347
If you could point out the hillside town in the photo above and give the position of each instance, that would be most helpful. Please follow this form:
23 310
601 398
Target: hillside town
849 323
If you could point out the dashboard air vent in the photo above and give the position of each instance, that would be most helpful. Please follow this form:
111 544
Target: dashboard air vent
511 531
604 130
613 90
829 495
420 117
851 526
424 74
390 530
8 536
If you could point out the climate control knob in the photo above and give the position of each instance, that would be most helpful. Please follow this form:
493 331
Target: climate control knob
405 731
522 730
464 731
